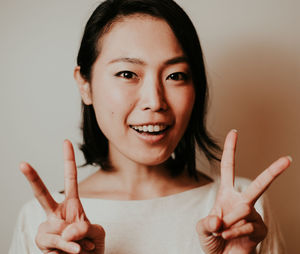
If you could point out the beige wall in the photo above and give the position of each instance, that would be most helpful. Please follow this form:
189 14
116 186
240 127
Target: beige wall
253 62
252 50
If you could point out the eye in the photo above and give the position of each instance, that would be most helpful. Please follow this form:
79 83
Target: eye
126 75
176 76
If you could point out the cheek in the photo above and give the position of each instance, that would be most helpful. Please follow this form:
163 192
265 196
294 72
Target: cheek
111 104
107 98
183 102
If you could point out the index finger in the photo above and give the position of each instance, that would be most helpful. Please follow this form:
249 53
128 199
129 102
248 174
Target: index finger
71 185
40 191
265 179
228 158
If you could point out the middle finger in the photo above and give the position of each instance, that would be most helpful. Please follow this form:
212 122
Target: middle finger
71 185
228 158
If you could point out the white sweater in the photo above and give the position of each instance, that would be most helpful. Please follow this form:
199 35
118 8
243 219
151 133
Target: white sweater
156 226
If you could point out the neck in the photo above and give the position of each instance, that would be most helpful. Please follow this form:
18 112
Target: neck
134 177
129 180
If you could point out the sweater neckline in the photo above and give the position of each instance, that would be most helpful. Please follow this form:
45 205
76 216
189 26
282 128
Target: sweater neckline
177 196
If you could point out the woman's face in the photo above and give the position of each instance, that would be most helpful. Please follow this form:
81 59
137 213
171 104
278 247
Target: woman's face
142 90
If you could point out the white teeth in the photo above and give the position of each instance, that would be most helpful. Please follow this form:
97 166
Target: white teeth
150 128
156 128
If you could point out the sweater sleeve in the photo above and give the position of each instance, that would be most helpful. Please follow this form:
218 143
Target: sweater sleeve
30 216
18 243
273 243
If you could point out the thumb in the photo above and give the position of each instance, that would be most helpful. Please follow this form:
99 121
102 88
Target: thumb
208 226
75 231
90 236
83 229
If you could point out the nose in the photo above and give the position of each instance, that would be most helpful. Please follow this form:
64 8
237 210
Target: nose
153 96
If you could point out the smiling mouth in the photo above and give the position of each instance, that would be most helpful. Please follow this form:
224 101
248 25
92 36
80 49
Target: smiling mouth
150 129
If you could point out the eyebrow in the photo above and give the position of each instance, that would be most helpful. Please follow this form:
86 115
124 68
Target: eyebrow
175 60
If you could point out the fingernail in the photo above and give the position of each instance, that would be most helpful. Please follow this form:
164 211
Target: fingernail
216 234
290 158
22 164
225 235
75 248
234 130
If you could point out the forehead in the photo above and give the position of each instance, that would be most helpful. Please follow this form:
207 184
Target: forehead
141 36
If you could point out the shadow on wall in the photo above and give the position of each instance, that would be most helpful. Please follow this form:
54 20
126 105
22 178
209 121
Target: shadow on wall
255 89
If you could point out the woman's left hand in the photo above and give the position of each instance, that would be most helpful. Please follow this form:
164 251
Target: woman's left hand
233 225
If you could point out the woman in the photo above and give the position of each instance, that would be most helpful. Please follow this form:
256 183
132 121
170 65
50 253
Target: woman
142 81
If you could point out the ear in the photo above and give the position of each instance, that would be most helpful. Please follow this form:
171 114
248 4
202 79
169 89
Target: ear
84 87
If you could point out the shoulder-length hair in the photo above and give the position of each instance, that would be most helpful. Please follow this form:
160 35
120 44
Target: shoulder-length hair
95 144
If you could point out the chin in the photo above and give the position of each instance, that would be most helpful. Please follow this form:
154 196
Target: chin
150 160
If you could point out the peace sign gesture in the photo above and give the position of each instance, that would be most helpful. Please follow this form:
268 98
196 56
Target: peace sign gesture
233 225
67 229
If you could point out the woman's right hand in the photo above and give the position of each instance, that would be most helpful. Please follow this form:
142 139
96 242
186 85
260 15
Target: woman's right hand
67 229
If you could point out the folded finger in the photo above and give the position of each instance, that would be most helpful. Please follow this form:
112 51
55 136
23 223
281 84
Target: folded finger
90 236
52 226
255 231
80 230
264 180
239 223
76 231
57 252
209 225
56 242
243 230
40 191
71 185
239 213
